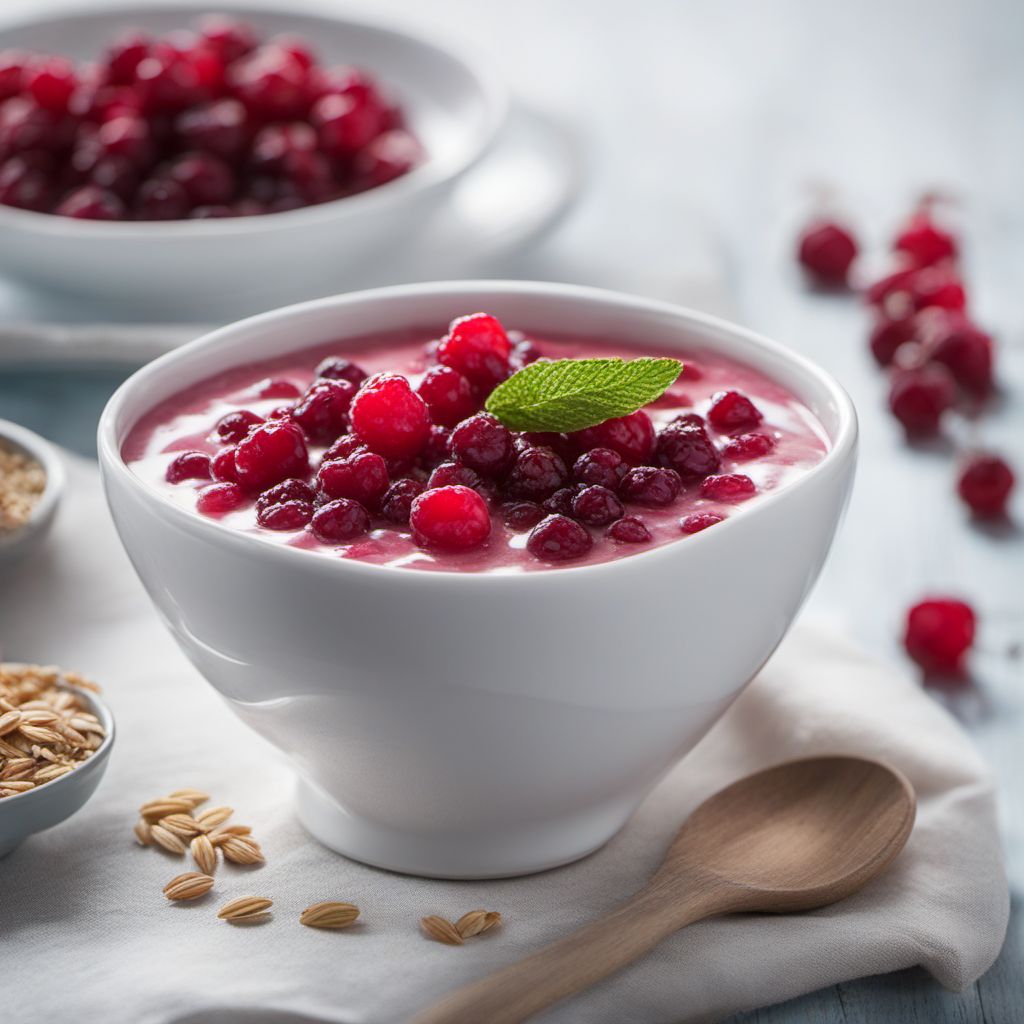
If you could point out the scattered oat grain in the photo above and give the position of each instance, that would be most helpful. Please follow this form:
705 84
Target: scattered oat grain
246 908
440 930
329 915
189 886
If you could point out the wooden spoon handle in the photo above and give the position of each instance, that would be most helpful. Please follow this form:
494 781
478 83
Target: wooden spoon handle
570 965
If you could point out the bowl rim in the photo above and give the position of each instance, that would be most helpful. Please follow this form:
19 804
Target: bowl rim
423 178
842 449
102 711
32 444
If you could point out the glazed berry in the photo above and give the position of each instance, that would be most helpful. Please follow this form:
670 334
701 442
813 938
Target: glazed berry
223 466
826 250
389 417
985 484
918 397
536 474
286 490
448 396
629 530
924 242
728 487
888 335
939 633
322 412
450 519
697 521
219 499
748 446
285 515
477 347
339 521
630 436
92 203
346 445
189 466
233 426
50 82
965 350
450 474
397 504
522 515
276 388
559 539
647 485
362 477
732 412
600 466
597 506
269 453
560 503
336 368
484 444
685 447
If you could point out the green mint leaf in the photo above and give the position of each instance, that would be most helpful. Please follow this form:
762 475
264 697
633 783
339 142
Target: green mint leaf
571 394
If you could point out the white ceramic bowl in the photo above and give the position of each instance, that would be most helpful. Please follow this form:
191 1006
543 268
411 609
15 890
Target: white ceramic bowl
474 725
37 809
17 544
216 268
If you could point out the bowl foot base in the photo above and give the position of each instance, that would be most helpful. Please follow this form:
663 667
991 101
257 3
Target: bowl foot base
528 848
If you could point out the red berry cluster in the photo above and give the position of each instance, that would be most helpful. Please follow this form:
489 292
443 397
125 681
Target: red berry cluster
213 122
426 459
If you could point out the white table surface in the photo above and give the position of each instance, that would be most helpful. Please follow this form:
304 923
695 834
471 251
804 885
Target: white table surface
707 126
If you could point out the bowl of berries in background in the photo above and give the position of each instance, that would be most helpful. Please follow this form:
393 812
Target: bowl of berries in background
188 165
483 558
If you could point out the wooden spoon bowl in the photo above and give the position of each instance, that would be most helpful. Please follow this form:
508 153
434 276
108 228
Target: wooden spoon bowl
791 838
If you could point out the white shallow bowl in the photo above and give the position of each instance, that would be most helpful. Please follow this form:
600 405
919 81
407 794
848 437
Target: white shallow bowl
17 544
206 269
27 813
475 725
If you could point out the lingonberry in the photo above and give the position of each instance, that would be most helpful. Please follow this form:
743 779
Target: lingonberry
223 466
896 285
285 515
732 412
386 157
220 128
448 395
205 178
559 539
336 368
597 506
12 72
270 83
346 446
937 287
275 387
647 485
92 203
964 349
286 490
939 633
919 396
629 530
697 521
322 412
50 81
484 444
389 417
561 501
230 37
161 199
24 184
124 56
397 504
233 426
600 466
985 484
728 487
450 519
128 137
522 515
346 122
166 83
478 348
686 448
924 242
269 453
826 251
536 474
631 436
888 335
748 446
449 474
189 466
362 477
435 451
219 499
338 521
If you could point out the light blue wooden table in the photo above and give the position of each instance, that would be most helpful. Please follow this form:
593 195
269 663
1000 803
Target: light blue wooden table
705 126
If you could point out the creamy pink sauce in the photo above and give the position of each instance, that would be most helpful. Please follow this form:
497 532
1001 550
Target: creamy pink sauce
184 422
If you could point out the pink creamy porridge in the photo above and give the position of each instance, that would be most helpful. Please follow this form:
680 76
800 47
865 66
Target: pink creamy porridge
649 479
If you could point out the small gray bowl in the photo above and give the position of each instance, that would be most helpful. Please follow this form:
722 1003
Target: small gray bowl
36 809
17 544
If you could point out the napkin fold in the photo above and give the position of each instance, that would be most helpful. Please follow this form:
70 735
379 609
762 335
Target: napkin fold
86 933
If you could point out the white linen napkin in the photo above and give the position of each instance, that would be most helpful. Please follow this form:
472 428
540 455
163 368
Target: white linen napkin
86 934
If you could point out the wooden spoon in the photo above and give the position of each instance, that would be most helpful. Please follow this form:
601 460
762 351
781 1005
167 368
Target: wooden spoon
791 838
